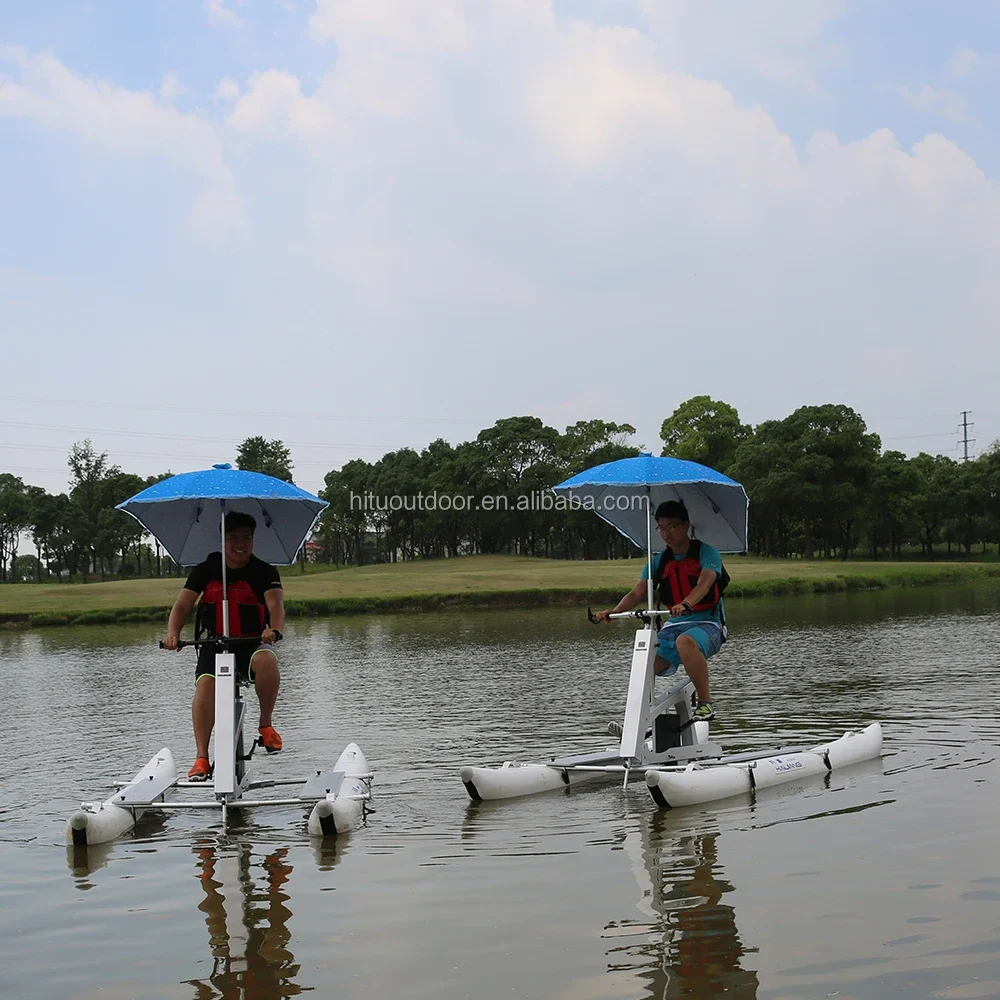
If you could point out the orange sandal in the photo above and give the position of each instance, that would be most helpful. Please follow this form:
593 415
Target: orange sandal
269 739
201 770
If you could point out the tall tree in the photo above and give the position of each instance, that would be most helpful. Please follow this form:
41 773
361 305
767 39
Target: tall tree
43 512
257 454
892 501
15 517
88 470
704 430
834 458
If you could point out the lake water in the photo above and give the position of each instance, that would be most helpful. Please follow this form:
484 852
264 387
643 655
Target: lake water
882 881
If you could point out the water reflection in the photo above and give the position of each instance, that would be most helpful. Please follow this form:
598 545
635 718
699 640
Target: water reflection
246 913
690 946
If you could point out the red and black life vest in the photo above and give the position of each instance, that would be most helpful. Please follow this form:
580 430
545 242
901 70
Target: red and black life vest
676 578
247 613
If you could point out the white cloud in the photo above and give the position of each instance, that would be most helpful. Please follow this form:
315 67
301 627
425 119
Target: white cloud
227 89
961 63
779 39
274 105
510 166
116 119
497 186
405 24
220 15
171 87
942 103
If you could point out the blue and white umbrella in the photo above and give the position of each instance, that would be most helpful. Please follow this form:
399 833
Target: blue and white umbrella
626 493
185 513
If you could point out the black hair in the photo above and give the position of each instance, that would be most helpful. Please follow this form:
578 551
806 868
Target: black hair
237 519
672 508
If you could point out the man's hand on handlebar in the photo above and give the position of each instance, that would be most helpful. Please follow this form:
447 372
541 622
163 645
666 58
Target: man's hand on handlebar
270 635
170 642
603 616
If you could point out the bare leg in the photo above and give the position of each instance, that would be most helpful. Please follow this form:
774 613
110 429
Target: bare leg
695 664
266 680
203 713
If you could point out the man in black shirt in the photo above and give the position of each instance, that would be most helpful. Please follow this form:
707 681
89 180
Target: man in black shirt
256 607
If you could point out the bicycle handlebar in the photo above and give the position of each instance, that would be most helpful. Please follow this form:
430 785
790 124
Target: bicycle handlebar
220 642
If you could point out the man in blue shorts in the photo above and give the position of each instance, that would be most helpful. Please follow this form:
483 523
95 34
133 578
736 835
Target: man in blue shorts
687 575
256 608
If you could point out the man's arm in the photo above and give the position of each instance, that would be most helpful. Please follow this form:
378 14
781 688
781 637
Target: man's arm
275 601
178 616
635 596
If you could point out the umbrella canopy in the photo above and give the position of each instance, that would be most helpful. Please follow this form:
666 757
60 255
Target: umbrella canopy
617 492
183 513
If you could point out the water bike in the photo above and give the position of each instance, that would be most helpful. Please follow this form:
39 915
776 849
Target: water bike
337 798
663 742
659 737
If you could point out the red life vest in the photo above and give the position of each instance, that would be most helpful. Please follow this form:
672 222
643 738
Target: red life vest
676 578
247 613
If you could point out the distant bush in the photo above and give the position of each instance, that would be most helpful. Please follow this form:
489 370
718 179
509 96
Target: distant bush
95 618
49 620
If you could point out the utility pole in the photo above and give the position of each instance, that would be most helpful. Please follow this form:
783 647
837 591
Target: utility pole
966 440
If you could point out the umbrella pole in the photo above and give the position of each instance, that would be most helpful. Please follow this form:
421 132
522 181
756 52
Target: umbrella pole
649 555
225 591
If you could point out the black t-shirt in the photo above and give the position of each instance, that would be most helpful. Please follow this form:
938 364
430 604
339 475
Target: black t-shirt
261 576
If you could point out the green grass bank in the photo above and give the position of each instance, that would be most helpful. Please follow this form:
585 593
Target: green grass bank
469 582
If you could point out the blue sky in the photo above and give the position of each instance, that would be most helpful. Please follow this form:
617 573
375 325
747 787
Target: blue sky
363 224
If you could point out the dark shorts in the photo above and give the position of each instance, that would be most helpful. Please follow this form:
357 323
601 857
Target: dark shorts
205 666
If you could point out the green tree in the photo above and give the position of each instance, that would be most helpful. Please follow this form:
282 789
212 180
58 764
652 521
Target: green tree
257 454
23 569
968 503
895 485
502 455
764 464
88 470
119 531
834 457
43 513
810 470
704 430
345 522
932 502
15 517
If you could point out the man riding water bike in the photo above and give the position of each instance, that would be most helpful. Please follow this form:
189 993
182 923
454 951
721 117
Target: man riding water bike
256 608
690 578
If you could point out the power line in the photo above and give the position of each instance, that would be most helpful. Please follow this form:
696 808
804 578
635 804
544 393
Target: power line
76 429
912 437
398 418
150 454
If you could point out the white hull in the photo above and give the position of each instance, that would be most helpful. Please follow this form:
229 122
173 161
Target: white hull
97 823
344 806
696 783
512 780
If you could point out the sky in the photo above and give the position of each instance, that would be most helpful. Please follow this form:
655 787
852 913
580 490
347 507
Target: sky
359 225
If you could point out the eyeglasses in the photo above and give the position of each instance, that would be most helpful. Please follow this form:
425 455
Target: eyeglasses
669 526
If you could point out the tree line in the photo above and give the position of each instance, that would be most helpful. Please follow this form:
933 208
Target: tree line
79 534
818 481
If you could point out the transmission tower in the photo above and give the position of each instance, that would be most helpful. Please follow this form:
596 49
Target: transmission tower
966 440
